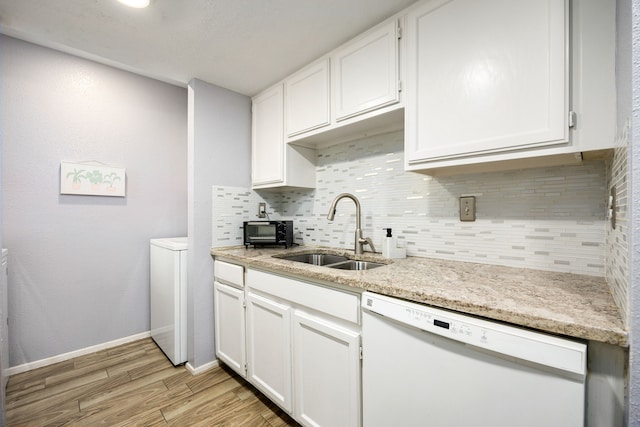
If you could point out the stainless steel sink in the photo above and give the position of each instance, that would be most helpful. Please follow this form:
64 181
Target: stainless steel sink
356 265
315 259
339 262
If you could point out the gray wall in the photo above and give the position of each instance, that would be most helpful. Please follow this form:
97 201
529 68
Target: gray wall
634 258
219 154
79 264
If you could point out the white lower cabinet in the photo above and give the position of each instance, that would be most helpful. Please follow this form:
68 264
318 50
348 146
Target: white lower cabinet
269 348
229 316
326 358
230 326
303 342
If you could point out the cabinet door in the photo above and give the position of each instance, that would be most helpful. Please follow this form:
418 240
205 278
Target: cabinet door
230 326
365 73
269 348
486 77
307 99
267 139
327 372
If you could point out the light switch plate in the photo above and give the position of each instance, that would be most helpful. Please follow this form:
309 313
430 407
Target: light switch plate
468 208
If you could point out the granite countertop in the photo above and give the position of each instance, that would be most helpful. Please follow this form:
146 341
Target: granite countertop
574 305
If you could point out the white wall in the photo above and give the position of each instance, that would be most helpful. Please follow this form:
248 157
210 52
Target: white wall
219 154
79 264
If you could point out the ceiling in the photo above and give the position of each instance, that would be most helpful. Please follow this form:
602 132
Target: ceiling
242 45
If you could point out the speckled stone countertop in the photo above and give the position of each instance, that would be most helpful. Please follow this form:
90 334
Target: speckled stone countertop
574 305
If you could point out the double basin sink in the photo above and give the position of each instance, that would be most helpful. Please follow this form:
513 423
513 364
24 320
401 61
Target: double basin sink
339 262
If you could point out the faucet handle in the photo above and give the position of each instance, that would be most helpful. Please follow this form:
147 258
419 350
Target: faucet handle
368 241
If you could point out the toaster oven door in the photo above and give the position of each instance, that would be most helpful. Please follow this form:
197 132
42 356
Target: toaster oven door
259 233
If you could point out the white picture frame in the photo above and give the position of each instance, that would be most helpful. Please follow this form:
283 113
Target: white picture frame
91 179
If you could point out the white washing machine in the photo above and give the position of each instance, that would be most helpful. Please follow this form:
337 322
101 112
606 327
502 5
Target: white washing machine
168 293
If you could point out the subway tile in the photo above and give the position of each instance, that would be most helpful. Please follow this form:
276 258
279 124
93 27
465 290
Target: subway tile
531 211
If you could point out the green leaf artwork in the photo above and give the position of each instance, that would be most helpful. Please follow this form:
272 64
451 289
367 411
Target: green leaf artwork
111 178
92 180
94 177
78 175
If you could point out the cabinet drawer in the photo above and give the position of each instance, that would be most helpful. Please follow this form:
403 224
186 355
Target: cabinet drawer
335 303
228 273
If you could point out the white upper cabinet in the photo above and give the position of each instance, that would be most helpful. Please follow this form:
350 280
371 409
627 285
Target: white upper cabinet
273 163
267 148
365 72
307 99
363 96
486 77
507 80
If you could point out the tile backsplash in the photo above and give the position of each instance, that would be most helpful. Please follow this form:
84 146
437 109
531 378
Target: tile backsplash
544 218
616 244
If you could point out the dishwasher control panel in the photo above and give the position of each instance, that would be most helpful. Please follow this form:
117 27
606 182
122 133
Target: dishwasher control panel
516 342
429 319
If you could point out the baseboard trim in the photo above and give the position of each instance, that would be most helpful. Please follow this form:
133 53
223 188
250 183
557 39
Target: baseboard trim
66 356
201 369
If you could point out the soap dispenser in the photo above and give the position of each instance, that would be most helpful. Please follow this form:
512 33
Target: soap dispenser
390 248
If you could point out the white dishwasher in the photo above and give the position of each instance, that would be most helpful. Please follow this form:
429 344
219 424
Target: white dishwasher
168 296
428 367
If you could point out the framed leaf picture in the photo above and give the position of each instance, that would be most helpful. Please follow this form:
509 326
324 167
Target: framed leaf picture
91 179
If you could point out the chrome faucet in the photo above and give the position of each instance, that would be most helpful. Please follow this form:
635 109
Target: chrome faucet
359 240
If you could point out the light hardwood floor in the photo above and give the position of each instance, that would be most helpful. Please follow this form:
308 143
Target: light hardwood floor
135 384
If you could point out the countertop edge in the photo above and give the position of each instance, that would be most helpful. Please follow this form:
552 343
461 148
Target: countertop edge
615 335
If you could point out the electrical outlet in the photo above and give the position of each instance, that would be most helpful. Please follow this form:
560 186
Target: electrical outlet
612 207
262 210
468 208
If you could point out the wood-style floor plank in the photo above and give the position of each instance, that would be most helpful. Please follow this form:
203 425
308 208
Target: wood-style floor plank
135 385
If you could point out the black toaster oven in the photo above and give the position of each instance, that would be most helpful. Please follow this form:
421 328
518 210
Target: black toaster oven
268 233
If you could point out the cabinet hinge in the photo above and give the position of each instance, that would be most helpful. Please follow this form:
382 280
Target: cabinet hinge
572 119
360 352
399 31
399 85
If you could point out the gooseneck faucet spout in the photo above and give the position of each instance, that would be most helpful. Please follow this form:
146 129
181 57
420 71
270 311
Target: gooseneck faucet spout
359 240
